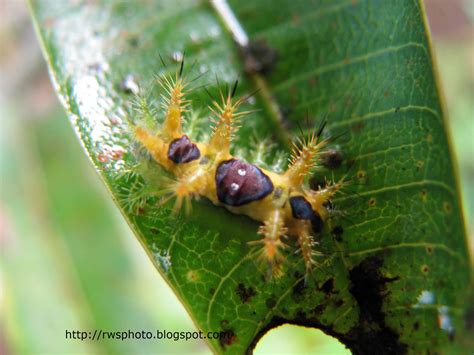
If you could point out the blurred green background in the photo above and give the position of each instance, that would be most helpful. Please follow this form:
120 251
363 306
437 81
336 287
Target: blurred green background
70 262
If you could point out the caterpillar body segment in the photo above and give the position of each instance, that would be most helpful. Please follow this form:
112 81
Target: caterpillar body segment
281 202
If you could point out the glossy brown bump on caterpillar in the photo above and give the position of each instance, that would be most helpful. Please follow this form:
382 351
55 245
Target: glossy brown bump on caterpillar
302 209
282 202
182 150
239 183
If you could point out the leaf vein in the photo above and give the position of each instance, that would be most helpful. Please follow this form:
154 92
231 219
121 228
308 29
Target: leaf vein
435 246
424 182
346 62
372 115
219 286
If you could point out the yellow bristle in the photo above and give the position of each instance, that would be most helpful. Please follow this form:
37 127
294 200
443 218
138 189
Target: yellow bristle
226 123
175 105
303 158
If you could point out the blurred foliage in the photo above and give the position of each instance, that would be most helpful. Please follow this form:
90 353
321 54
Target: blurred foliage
69 261
456 62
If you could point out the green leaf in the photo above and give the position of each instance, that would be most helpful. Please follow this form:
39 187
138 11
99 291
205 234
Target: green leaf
395 269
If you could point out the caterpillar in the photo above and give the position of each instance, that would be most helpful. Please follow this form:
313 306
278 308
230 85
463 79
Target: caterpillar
282 203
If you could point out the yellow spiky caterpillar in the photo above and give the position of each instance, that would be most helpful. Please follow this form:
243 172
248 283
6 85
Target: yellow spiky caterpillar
281 202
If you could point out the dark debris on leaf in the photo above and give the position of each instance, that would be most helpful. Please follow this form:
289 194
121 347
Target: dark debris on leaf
337 232
369 288
298 290
371 335
259 57
328 287
245 293
271 302
332 159
228 338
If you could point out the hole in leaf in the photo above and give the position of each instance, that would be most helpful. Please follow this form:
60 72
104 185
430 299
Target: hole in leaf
293 339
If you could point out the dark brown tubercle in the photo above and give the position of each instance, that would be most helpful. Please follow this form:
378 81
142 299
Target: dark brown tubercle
302 209
239 183
182 150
